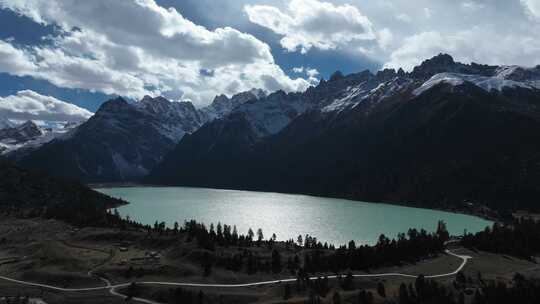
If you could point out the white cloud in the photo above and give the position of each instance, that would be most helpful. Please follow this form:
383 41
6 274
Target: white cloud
311 23
311 73
29 105
532 7
385 38
404 17
428 12
298 70
472 6
133 48
15 61
137 47
490 47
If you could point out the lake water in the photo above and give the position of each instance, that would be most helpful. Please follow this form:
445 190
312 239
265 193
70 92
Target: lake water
336 221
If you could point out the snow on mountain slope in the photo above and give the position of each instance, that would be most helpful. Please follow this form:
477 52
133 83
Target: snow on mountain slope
340 93
374 90
351 97
270 115
174 119
20 134
449 78
222 105
31 136
497 82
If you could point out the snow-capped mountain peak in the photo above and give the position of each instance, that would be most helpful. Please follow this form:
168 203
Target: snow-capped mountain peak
222 105
29 135
15 137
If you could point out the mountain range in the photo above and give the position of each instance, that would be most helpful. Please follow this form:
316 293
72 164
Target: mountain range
20 134
443 134
17 141
123 141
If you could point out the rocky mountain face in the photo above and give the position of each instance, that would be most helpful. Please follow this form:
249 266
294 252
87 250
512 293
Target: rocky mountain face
28 137
124 141
172 119
20 134
120 142
222 105
16 137
442 134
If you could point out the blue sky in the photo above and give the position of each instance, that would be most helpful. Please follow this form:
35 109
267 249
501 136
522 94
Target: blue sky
86 52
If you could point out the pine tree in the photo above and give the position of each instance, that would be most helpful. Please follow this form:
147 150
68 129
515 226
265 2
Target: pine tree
250 235
381 290
348 283
200 297
276 261
287 292
403 294
336 298
260 236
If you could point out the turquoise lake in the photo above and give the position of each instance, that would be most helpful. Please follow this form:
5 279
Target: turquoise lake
335 221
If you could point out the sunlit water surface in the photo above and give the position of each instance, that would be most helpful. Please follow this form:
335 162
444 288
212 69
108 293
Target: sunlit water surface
336 221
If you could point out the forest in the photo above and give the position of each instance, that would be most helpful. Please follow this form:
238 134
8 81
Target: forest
520 238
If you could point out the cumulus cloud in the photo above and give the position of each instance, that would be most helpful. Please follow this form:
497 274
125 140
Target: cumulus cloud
532 7
472 6
312 74
385 38
490 47
15 61
404 17
311 23
399 34
298 70
29 105
428 12
134 48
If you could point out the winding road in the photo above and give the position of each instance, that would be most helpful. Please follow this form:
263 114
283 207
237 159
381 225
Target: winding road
112 288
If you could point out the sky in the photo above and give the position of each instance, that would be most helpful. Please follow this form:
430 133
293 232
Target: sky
64 58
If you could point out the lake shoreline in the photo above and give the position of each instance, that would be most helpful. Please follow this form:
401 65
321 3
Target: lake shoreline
301 213
456 210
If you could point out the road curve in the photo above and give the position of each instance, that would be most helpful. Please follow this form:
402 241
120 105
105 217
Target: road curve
112 288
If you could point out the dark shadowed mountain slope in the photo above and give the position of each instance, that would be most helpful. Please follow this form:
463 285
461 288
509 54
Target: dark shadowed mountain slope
21 189
120 142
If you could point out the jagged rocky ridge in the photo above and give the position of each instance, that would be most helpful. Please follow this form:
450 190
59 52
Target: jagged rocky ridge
20 134
442 134
17 141
124 141
14 137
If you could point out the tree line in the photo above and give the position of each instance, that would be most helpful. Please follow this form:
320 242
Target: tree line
309 255
520 238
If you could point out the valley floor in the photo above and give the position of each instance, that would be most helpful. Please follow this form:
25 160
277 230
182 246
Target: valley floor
54 253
